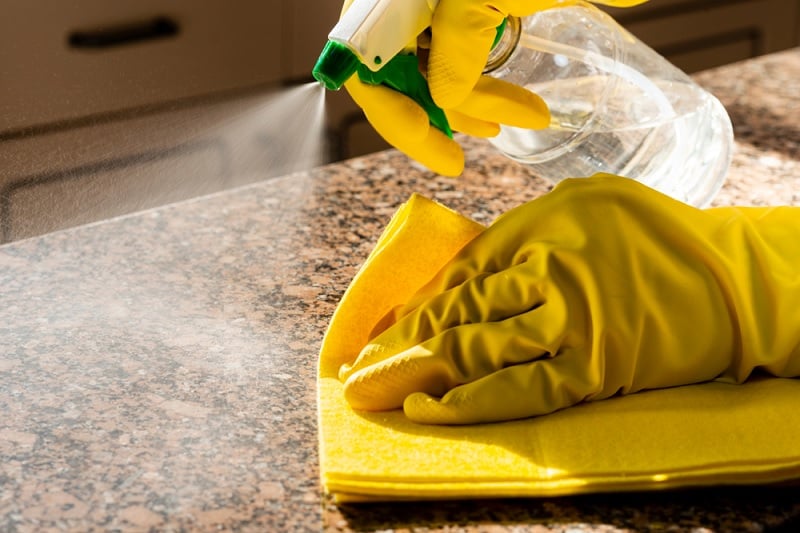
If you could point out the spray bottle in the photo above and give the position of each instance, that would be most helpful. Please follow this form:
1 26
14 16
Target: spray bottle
616 105
372 39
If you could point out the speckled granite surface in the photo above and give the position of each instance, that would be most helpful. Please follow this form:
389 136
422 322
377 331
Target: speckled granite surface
157 372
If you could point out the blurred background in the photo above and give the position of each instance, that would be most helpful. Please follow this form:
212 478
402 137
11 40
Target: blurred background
107 108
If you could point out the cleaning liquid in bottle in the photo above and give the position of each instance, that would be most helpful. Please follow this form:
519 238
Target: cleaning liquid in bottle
617 106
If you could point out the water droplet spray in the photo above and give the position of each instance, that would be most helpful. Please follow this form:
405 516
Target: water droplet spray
110 168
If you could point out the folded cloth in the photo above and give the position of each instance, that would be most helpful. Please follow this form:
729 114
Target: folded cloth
707 434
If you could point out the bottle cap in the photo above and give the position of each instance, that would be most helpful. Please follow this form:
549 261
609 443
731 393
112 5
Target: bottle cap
501 28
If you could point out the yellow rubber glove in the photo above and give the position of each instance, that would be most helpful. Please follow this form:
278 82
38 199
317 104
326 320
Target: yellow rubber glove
600 287
462 33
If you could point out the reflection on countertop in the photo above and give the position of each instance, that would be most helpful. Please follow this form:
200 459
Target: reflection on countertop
157 371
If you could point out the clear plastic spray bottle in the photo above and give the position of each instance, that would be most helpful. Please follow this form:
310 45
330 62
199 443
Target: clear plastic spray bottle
617 106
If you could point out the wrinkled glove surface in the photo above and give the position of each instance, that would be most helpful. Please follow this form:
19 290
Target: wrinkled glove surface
462 33
600 287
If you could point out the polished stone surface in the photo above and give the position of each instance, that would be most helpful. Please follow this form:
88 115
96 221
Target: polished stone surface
157 371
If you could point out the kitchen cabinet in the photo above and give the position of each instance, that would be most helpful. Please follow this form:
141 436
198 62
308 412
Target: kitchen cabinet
63 61
701 34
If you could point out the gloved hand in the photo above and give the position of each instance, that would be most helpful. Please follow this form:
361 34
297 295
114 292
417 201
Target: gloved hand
601 287
462 33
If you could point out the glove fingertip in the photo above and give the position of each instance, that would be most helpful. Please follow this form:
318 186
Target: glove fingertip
508 104
367 390
473 126
423 408
439 153
344 372
452 163
533 112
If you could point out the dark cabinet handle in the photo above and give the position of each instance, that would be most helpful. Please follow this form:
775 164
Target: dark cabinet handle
124 34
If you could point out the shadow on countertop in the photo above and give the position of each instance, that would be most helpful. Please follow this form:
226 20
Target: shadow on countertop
768 509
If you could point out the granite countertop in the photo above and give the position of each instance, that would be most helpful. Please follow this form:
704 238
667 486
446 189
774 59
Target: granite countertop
157 371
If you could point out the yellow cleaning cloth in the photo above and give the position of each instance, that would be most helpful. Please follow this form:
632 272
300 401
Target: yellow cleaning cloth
713 433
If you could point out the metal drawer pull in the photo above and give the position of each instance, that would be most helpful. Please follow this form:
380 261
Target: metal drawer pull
124 34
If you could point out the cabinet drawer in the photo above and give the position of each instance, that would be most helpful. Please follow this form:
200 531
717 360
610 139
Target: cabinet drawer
62 60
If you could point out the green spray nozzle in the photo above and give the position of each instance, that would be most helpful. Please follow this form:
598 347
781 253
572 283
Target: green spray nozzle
337 63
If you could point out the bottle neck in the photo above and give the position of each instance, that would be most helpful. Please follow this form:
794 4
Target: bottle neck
505 45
